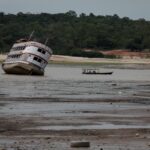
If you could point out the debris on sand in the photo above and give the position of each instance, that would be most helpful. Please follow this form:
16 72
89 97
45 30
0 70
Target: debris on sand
80 144
137 134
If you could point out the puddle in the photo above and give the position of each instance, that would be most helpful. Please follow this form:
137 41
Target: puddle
103 126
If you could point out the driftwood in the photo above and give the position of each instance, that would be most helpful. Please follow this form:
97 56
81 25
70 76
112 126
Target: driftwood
80 144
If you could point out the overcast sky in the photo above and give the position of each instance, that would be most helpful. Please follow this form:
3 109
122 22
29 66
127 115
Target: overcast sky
134 9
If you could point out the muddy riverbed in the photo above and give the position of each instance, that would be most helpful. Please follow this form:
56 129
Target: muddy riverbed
47 113
69 82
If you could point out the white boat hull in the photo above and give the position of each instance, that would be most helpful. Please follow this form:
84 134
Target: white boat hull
22 68
27 58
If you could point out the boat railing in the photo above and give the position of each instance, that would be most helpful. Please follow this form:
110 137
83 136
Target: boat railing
90 70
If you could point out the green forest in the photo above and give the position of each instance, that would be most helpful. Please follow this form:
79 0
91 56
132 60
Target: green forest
71 34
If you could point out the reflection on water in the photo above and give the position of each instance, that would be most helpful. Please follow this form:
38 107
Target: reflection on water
68 81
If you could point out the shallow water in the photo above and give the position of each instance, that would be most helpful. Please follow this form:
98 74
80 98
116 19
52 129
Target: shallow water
67 81
100 126
61 109
78 115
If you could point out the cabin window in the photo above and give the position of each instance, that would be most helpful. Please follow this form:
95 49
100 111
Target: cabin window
41 51
18 48
14 56
44 52
37 59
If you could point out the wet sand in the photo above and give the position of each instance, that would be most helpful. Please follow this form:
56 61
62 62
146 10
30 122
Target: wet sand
33 123
111 112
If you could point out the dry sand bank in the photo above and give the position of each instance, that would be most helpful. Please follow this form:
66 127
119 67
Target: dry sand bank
2 57
69 59
61 58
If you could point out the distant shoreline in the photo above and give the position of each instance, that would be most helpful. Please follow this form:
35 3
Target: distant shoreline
70 59
81 60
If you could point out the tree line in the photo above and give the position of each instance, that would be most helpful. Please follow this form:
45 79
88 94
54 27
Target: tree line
73 34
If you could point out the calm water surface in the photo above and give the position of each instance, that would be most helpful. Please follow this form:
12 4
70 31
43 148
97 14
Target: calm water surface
68 81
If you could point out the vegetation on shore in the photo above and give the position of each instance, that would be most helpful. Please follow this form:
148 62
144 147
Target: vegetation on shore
74 35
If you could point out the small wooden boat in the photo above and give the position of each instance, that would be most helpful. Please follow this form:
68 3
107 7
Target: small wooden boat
95 71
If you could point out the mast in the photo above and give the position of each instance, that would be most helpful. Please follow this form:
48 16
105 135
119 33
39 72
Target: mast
46 41
30 35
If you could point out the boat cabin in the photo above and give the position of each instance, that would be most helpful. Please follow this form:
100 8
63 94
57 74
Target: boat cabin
95 71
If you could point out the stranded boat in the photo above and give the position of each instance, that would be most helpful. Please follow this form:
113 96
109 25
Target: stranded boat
95 71
27 58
